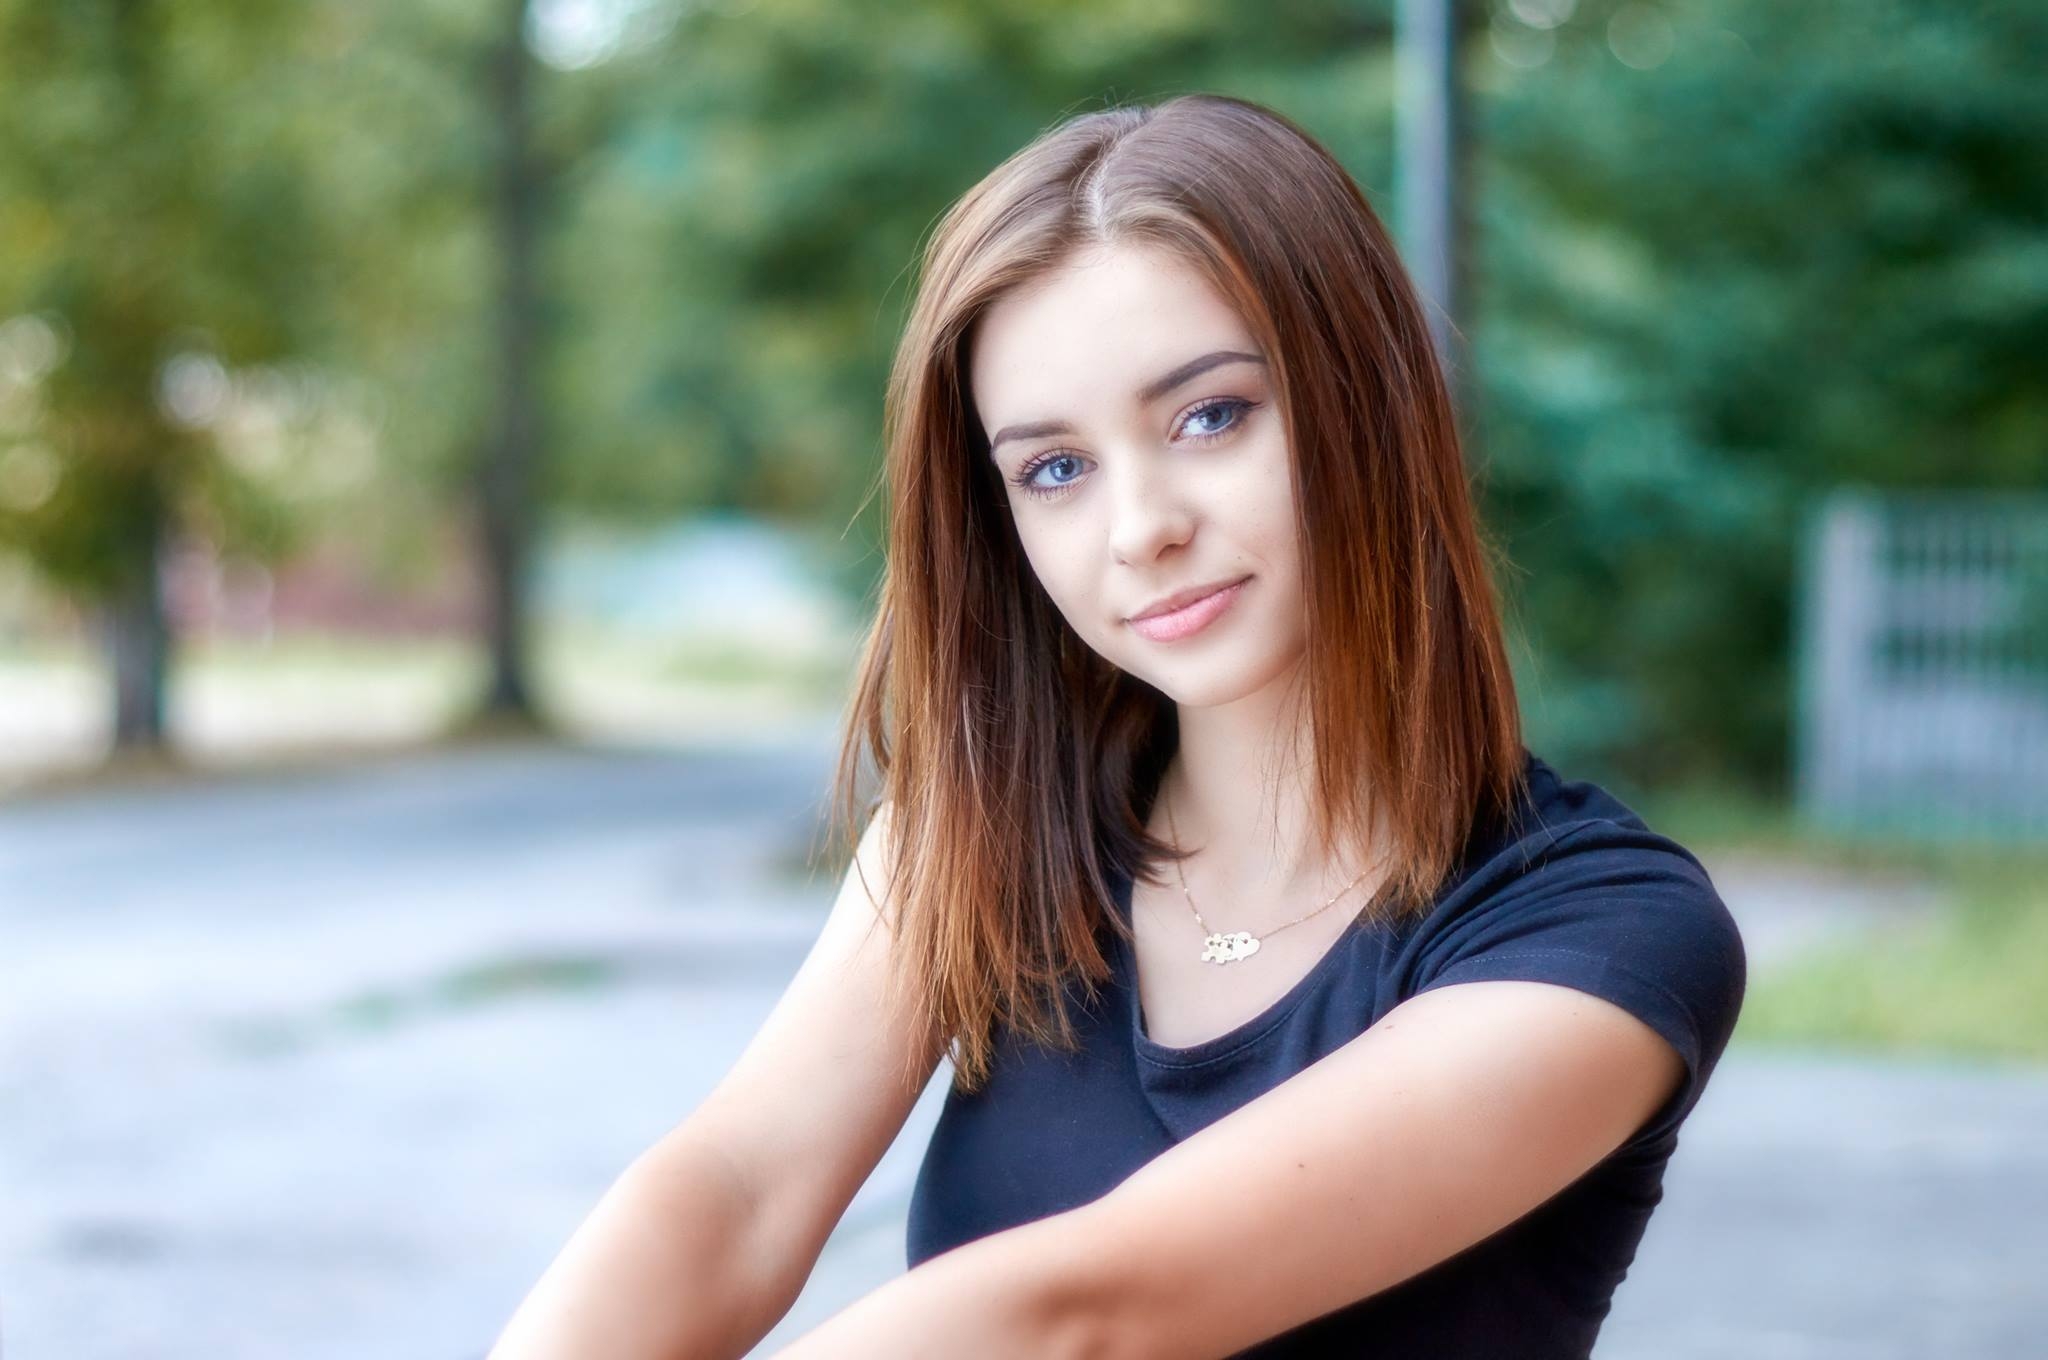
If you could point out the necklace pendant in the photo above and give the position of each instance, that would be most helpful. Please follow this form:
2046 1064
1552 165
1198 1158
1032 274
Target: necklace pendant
1229 948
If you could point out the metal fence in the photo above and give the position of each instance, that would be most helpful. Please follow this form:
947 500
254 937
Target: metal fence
1923 666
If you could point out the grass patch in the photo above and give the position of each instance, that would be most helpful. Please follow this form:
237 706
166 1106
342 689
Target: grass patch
1972 982
730 665
292 655
1711 821
385 1008
510 977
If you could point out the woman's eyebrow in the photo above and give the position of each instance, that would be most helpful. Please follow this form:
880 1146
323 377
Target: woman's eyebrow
1149 393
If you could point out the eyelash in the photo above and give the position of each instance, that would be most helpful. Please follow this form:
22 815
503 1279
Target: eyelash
1238 406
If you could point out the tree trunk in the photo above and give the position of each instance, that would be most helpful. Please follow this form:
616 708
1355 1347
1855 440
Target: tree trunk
137 641
505 475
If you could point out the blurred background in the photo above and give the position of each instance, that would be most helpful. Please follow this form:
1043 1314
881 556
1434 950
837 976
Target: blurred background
436 445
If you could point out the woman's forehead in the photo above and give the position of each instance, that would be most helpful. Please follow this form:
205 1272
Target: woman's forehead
1098 333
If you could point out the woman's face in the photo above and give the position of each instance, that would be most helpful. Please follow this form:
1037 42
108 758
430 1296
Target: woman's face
1170 470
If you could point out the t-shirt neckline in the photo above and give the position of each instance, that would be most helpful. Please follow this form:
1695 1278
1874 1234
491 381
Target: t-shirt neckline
1245 1035
1239 1036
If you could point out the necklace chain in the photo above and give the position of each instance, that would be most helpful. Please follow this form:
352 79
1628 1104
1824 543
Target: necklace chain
1221 948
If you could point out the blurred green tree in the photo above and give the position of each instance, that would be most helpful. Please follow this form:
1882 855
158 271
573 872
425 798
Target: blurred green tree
451 151
206 203
736 258
152 234
1735 253
1728 253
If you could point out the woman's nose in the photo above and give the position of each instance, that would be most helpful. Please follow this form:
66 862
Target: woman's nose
1147 513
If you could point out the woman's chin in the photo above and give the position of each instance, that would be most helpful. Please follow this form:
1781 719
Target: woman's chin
1207 683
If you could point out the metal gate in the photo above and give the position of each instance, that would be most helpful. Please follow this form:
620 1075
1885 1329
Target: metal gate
1923 665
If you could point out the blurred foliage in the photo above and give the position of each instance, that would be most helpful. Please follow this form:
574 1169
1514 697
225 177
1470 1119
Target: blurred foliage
739 256
1806 249
148 230
1728 253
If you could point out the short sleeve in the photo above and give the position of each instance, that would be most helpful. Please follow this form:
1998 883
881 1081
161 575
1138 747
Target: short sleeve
1621 913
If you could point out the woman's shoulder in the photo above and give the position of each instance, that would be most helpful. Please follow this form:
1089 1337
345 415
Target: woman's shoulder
1569 818
1583 893
1571 870
1582 873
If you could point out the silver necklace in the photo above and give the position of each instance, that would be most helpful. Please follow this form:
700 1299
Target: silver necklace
1219 948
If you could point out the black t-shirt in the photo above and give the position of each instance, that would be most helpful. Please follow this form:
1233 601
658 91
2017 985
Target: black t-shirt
1572 889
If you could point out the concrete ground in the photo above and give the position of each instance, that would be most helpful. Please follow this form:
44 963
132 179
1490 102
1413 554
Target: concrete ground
331 1064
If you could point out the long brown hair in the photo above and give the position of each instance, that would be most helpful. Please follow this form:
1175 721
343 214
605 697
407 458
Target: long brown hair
1016 764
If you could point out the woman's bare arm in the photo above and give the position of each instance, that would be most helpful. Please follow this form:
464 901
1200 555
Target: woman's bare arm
704 1243
672 1262
1025 1293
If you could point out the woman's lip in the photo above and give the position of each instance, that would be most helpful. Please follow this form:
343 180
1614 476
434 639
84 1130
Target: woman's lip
1189 619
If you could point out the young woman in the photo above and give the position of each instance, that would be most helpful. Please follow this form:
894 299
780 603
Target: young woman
1295 1008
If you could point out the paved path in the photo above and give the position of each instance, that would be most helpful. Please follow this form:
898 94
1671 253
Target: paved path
331 1064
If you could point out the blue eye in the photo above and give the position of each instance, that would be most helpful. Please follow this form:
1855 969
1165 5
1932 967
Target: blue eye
1200 411
1234 407
1028 474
